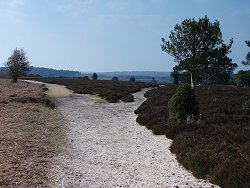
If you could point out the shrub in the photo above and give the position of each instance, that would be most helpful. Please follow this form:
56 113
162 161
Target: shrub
132 79
94 76
182 103
128 98
86 78
115 78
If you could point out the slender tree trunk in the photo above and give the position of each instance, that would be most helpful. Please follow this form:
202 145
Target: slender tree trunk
192 81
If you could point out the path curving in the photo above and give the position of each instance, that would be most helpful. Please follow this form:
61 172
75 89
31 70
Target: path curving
106 148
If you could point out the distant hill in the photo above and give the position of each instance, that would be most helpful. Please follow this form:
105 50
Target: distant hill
48 72
161 77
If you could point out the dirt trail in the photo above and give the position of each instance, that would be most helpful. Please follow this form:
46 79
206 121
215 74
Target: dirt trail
105 147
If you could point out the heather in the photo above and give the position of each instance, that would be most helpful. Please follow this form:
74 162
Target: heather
111 90
217 147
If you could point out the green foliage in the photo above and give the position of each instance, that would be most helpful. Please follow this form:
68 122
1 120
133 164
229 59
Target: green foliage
132 79
94 76
175 75
247 61
182 103
115 78
198 48
17 64
243 78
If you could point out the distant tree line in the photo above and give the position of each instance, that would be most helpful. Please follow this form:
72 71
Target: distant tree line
48 72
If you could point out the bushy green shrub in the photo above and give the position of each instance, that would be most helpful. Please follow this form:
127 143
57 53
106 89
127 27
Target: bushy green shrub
182 103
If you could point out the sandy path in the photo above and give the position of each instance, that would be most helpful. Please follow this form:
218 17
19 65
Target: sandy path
107 148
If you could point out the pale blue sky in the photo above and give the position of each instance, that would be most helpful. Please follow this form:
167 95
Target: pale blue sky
111 35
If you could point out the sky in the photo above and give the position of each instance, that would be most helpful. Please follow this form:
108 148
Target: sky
112 35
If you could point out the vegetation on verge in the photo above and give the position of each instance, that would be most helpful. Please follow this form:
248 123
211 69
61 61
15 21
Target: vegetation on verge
31 134
111 91
218 147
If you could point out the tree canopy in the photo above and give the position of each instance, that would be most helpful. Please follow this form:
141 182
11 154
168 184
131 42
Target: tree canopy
247 62
94 76
198 48
17 64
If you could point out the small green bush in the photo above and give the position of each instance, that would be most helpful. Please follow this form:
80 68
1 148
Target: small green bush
182 103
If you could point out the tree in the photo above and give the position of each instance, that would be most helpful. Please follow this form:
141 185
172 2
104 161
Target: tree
198 48
243 78
247 62
132 79
175 75
115 78
17 64
94 76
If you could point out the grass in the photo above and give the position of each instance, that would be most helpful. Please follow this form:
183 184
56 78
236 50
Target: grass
217 149
31 134
98 99
112 91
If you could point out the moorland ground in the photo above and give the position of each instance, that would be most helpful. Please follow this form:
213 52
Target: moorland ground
31 133
218 147
111 91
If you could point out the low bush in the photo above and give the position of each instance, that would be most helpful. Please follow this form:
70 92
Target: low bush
182 103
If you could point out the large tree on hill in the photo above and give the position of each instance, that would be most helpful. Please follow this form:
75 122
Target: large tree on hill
17 64
198 48
247 62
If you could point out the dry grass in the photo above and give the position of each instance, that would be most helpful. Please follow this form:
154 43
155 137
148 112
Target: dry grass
27 139
19 92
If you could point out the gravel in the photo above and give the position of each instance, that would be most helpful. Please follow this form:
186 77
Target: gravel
105 147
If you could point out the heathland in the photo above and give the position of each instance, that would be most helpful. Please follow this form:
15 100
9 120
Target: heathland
31 133
214 148
217 146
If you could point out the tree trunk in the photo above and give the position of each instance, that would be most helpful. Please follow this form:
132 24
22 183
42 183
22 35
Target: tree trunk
14 78
192 81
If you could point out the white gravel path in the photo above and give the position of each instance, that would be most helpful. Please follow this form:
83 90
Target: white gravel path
107 148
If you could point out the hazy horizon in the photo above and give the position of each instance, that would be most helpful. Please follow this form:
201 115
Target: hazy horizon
111 35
